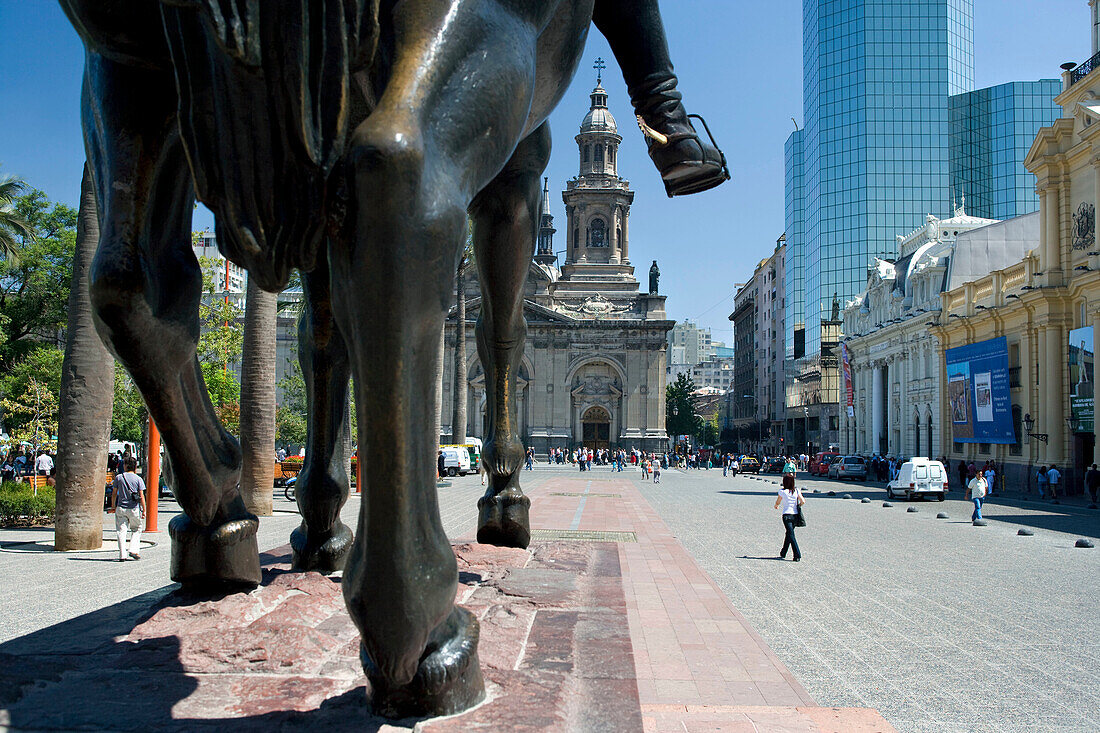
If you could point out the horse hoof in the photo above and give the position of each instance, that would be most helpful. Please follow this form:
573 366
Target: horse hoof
448 678
324 552
504 520
221 557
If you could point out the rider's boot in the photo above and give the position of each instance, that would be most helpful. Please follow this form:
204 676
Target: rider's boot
687 162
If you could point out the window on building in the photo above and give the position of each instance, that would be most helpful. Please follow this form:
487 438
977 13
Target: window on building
1017 448
587 148
983 448
599 154
597 233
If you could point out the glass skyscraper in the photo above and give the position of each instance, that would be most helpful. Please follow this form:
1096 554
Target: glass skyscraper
872 159
991 131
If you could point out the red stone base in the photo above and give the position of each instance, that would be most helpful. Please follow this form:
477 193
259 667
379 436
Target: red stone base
555 651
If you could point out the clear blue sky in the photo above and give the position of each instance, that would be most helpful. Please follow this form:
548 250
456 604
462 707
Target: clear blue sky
740 65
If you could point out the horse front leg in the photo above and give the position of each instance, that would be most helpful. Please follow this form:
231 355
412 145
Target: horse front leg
322 541
505 218
145 287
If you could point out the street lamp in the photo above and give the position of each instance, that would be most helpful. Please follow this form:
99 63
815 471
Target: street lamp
1029 423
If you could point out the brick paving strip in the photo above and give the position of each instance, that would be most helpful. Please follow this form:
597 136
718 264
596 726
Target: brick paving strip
699 664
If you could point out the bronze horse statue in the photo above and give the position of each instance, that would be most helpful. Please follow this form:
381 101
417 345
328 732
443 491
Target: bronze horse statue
348 139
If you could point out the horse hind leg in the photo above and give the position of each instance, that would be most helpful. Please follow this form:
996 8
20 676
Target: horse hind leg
505 219
322 541
145 287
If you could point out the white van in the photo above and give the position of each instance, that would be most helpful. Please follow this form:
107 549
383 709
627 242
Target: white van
919 477
456 461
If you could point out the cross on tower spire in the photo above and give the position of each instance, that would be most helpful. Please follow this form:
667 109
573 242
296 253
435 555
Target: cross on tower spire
599 66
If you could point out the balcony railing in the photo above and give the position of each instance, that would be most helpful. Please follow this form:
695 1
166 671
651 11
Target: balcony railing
1084 69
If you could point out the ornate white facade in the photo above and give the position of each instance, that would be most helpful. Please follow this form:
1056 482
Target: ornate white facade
894 358
594 364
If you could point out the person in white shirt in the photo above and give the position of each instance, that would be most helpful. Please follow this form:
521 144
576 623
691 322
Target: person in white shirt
1053 477
976 490
44 464
790 499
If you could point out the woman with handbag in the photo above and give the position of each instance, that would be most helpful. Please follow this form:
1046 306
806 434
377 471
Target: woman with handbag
791 501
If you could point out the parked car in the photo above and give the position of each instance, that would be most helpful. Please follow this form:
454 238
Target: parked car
456 461
819 464
919 477
853 467
834 465
749 465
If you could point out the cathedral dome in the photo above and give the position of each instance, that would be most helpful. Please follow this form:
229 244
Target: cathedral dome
599 117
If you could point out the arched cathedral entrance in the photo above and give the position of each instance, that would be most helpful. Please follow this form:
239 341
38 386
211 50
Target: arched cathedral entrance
596 426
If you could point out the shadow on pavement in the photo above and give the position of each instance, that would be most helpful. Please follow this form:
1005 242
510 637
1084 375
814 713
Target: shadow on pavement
1076 524
82 675
750 557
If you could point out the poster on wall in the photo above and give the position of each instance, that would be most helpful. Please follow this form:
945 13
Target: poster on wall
978 394
1082 370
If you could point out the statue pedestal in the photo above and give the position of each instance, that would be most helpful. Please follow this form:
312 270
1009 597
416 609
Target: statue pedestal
555 653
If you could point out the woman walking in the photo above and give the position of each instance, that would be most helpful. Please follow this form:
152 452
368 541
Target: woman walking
790 499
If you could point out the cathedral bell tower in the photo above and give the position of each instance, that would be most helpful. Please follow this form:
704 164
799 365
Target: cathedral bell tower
597 202
544 252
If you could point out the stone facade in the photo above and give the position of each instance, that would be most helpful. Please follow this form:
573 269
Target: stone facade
1038 301
594 364
892 353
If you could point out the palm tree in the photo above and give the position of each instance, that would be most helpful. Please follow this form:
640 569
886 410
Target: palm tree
458 402
258 400
11 224
87 394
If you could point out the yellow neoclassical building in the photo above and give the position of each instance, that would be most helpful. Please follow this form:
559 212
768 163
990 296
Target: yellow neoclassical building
1046 307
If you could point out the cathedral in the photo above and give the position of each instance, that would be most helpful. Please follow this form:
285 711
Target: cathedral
593 370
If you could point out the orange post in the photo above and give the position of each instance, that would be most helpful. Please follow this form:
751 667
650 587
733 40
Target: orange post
153 478
358 473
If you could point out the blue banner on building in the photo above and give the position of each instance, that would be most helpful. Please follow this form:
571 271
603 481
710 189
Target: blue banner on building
978 395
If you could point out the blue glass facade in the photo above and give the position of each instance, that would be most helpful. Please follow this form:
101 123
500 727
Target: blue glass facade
794 287
874 148
991 131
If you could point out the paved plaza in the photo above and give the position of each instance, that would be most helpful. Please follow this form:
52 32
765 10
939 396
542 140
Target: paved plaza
935 623
940 625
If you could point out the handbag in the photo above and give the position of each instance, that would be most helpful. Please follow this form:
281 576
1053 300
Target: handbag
799 519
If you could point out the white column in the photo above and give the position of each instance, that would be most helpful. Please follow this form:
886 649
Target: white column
876 408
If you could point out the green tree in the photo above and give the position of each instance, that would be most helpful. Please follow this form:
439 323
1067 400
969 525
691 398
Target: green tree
680 417
219 348
34 291
13 229
290 416
41 367
708 432
35 413
129 416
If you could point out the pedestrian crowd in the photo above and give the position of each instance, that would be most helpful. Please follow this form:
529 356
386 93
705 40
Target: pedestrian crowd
20 464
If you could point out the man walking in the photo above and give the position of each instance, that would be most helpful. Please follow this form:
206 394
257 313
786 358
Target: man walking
976 490
1092 482
128 500
44 464
1053 476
